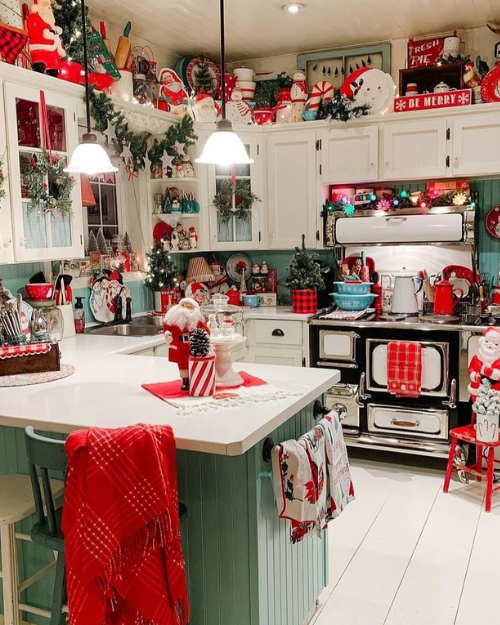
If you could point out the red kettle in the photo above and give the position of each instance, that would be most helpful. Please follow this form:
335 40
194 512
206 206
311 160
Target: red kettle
445 298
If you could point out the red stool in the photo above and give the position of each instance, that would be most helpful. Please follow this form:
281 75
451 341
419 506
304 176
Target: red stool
467 434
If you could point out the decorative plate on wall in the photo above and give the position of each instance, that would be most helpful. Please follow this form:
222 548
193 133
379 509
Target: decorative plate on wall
194 67
492 221
490 87
233 265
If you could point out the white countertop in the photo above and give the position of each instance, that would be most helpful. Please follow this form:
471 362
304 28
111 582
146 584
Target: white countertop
279 312
106 391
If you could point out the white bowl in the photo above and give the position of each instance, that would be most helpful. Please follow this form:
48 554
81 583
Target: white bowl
244 73
247 89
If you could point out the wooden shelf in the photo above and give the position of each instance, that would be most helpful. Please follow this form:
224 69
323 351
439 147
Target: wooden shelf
428 77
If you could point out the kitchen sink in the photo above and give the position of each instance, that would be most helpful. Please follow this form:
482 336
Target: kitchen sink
126 329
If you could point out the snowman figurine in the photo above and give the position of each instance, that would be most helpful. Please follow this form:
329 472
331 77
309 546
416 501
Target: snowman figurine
298 93
237 110
187 167
370 86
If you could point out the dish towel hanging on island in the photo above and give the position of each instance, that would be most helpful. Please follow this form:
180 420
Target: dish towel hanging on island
404 368
122 531
311 478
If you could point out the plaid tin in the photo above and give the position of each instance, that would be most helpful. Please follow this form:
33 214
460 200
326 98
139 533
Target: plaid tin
304 301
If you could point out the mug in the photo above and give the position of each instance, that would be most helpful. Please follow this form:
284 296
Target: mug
411 89
252 300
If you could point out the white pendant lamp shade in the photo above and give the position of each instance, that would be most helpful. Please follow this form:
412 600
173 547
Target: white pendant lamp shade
90 158
224 147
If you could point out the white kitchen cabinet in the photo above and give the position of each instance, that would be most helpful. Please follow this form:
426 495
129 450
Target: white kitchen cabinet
40 235
349 154
292 189
278 342
6 245
245 233
475 140
413 150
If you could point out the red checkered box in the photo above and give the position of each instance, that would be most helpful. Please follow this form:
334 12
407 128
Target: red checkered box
305 301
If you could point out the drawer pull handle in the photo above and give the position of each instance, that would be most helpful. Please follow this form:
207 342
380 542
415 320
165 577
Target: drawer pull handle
278 332
405 424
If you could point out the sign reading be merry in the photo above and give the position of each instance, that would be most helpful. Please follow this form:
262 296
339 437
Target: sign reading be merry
461 97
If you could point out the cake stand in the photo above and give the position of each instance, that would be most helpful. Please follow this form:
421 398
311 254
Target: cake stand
223 347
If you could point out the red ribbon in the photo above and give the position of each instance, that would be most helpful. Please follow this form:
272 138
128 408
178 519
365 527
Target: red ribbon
233 176
46 143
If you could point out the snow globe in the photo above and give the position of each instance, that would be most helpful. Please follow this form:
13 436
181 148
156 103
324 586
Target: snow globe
226 335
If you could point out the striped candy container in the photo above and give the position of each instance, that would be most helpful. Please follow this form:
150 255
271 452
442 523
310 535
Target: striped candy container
202 376
322 90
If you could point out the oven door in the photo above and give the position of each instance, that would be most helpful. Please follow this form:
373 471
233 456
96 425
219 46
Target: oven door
346 395
338 348
435 367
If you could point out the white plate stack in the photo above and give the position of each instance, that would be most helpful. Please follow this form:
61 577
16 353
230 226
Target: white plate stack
245 82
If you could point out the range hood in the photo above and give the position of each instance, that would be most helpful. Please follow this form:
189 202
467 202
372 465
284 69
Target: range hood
414 226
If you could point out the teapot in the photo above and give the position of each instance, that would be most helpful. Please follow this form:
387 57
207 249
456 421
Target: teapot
404 297
442 87
446 298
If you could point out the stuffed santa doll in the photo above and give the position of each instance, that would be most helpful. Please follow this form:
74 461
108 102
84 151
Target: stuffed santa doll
45 44
178 324
486 363
370 86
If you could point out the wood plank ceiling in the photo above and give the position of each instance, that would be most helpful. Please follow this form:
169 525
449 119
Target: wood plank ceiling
260 28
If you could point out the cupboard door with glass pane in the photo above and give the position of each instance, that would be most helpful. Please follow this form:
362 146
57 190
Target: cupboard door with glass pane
6 244
41 234
237 229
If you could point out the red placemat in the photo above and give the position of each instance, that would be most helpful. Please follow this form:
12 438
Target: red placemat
172 390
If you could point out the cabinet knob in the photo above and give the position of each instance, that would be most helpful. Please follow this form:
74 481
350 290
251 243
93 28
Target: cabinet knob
22 242
7 242
372 165
456 162
278 332
387 164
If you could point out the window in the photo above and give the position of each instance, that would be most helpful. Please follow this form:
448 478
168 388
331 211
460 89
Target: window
105 213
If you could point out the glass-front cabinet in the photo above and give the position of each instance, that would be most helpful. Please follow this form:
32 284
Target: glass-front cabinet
41 234
237 226
6 244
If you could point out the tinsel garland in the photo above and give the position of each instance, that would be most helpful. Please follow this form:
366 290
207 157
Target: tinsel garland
140 144
341 109
244 200
3 193
47 185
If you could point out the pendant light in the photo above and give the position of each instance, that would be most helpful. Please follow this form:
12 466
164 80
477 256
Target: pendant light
89 157
224 147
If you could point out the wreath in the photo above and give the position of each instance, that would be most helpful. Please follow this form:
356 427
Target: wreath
244 199
47 184
141 146
3 193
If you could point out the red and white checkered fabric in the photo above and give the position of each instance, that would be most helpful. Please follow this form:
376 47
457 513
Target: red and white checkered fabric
121 527
11 44
202 376
11 351
305 301
404 368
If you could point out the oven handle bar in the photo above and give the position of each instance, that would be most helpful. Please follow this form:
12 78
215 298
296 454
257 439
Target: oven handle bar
405 424
336 365
363 395
451 402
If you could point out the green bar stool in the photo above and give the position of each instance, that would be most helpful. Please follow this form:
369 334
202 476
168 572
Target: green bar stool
16 504
45 455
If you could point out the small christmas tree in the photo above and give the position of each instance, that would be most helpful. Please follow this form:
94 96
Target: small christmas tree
199 343
102 246
68 16
162 272
92 244
203 79
127 244
303 272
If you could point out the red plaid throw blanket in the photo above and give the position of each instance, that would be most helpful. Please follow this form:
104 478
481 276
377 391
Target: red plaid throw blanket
404 368
121 526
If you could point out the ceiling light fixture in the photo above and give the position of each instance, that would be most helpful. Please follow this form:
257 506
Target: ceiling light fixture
224 147
89 157
293 8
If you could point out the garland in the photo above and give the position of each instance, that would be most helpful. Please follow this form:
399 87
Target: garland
244 200
136 148
3 193
54 194
341 109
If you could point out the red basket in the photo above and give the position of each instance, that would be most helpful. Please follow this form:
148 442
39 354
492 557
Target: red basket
305 301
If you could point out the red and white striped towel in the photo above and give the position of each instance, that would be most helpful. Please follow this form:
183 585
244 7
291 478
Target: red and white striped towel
404 368
11 351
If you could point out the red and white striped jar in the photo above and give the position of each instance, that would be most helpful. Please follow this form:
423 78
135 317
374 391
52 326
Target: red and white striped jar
202 376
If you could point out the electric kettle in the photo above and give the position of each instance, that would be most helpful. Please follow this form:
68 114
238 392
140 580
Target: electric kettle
404 297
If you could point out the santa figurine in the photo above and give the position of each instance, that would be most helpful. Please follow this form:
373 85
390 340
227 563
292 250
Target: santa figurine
45 44
205 108
370 86
178 324
486 363
193 238
173 97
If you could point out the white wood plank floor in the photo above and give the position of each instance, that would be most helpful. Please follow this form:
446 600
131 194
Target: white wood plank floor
404 553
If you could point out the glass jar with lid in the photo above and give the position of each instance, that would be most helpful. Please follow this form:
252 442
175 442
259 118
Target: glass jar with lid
47 323
222 318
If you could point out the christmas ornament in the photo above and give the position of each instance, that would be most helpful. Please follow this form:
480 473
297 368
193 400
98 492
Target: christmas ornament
110 133
371 87
237 110
173 96
179 148
166 163
45 45
199 343
179 324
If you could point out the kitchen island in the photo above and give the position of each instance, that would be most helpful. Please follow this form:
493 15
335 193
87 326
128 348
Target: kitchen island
241 566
